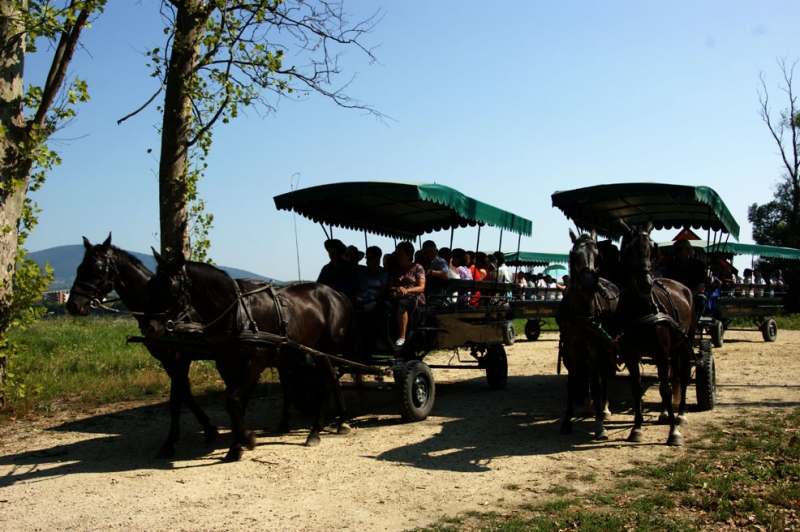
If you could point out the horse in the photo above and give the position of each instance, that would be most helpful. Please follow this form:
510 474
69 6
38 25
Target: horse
586 346
657 319
105 268
248 326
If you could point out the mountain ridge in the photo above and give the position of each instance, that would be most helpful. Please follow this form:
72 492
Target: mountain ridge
65 261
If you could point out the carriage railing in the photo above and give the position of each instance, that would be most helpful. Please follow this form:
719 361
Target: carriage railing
751 290
493 294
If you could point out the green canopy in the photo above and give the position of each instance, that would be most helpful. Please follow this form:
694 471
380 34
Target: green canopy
395 209
735 248
530 258
667 206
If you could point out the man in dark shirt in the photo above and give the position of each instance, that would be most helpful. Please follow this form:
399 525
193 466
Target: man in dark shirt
339 274
689 271
437 273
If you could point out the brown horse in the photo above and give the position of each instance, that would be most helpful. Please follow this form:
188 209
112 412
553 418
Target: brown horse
105 268
658 322
248 326
586 347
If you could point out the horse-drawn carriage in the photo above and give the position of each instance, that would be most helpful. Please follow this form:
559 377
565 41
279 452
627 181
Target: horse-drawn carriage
655 317
752 302
405 211
534 304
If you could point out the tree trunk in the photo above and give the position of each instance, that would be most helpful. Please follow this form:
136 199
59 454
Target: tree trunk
176 131
13 175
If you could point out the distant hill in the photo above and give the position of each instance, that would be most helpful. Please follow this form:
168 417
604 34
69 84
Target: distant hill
65 261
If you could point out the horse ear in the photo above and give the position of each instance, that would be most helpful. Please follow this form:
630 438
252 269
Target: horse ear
572 235
594 235
108 240
157 255
87 244
649 226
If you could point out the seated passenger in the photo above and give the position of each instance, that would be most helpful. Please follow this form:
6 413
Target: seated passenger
339 274
462 299
689 271
372 280
759 282
437 273
353 255
747 281
406 288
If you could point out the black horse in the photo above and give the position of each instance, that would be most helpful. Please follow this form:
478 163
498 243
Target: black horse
586 345
105 268
248 326
658 322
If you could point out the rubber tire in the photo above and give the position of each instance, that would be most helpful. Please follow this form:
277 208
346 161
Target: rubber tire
717 333
706 378
496 364
415 390
769 330
532 330
509 334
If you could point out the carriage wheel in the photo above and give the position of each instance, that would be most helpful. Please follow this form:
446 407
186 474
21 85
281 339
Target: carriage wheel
717 331
496 365
532 330
706 378
769 330
414 390
509 334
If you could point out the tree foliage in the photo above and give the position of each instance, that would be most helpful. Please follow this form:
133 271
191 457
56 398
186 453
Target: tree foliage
221 56
778 221
28 119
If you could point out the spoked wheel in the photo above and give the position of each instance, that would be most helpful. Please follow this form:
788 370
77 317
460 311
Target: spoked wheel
415 390
717 331
769 330
706 378
496 364
532 330
509 334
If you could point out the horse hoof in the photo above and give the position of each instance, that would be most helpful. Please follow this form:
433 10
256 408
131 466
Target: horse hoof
636 436
344 428
234 454
675 439
210 434
601 436
682 420
249 441
166 451
606 416
312 440
663 419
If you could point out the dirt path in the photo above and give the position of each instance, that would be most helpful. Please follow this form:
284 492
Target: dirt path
480 450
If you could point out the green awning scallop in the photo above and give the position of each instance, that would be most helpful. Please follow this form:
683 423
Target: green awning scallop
668 206
531 258
735 248
396 209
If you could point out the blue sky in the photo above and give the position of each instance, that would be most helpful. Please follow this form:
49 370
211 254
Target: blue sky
507 102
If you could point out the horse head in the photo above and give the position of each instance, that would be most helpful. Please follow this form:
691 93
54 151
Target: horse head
95 277
636 257
169 297
582 269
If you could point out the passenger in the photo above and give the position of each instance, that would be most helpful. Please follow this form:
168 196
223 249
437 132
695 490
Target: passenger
563 287
339 274
689 271
504 273
447 255
522 284
437 273
462 299
475 297
759 282
482 267
541 286
552 288
372 280
713 290
406 288
419 258
608 261
747 281
780 282
353 255
389 263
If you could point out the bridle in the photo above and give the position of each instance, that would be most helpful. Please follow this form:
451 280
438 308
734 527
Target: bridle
106 270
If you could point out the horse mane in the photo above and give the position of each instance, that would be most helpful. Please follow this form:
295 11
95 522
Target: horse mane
212 281
126 257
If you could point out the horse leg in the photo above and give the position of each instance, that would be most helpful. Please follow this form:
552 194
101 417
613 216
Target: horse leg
238 384
284 426
636 392
210 431
666 372
684 373
167 449
599 398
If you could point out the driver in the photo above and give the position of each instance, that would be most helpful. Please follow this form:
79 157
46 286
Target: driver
690 271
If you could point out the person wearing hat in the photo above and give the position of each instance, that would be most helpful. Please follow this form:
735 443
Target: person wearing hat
339 274
689 271
352 254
